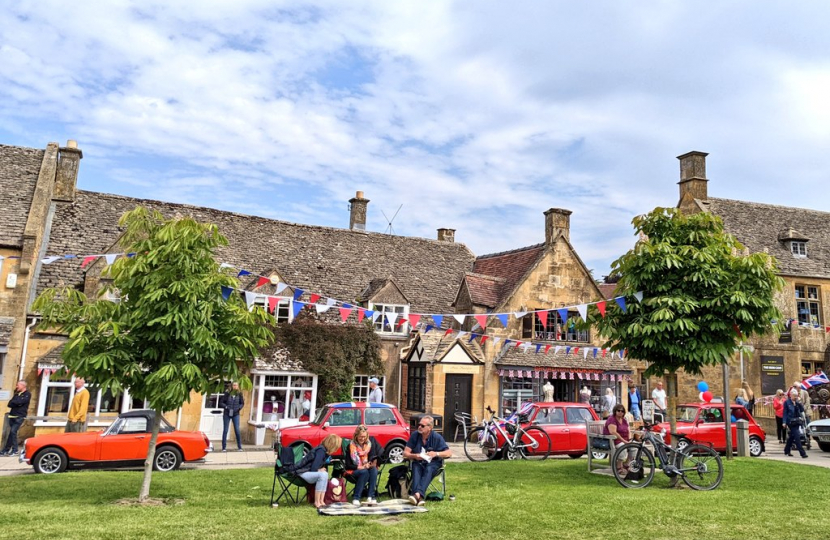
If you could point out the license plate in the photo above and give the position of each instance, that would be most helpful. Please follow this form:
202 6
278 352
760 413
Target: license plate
824 438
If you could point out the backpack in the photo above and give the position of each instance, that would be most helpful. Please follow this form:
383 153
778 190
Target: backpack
398 483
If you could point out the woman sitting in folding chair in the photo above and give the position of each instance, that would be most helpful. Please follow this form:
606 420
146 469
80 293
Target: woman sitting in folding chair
365 463
312 468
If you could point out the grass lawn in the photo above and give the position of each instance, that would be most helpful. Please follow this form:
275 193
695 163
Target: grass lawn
551 499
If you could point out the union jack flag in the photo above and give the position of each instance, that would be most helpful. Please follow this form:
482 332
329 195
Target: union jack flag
818 378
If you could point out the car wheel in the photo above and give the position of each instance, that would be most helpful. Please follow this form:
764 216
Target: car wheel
824 446
50 461
575 456
394 453
683 444
168 458
755 446
598 454
510 455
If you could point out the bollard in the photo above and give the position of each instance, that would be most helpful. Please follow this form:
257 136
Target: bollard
743 438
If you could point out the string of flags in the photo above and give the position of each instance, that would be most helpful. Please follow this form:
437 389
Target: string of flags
581 374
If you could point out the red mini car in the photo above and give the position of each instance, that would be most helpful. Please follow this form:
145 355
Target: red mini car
383 421
123 444
565 424
703 422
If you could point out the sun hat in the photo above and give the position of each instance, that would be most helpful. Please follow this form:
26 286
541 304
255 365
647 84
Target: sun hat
374 380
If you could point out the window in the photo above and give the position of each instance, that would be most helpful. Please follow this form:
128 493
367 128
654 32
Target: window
808 305
282 310
3 350
387 317
808 369
344 417
277 396
555 328
515 391
103 402
578 415
360 390
59 392
550 416
799 249
379 417
416 385
136 424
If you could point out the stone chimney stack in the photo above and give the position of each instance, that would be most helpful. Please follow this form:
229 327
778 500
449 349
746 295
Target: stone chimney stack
357 215
693 182
557 220
66 178
446 235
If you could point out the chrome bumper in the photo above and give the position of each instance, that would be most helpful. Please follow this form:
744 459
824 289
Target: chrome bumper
209 449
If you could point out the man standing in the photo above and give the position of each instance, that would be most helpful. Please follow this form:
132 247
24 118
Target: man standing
18 407
634 400
375 393
427 451
793 411
231 403
77 411
658 395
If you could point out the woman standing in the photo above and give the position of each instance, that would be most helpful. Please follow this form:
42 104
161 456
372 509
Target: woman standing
312 468
750 406
365 466
778 406
742 398
609 400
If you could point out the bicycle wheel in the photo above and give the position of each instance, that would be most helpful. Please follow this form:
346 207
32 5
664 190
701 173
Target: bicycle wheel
639 462
481 445
534 443
700 467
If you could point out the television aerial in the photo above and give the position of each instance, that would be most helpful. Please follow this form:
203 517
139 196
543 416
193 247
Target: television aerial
389 229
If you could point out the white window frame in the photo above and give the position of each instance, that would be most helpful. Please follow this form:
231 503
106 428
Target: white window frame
283 303
807 297
379 318
798 248
360 388
306 381
46 383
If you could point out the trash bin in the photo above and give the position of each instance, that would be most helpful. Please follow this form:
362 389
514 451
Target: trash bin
437 425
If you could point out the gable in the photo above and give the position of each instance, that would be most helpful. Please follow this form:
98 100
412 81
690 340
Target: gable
457 354
384 291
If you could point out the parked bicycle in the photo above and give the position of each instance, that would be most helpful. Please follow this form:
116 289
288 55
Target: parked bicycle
698 465
499 436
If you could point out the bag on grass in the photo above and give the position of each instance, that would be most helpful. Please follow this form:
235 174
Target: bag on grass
397 485
335 491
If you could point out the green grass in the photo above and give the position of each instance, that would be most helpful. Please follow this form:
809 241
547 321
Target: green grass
551 499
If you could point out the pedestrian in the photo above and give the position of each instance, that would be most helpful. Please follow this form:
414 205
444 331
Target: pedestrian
608 402
375 393
742 398
18 408
794 419
658 395
634 400
231 403
76 419
427 450
750 406
778 407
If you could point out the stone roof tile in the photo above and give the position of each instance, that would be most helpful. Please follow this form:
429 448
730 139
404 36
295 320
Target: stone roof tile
512 266
19 169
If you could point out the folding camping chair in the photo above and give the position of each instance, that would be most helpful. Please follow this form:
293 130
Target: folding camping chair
437 489
290 483
345 466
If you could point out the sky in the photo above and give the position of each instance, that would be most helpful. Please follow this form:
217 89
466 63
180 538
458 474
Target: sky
476 116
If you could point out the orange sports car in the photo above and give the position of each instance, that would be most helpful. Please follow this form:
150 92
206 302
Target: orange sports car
123 444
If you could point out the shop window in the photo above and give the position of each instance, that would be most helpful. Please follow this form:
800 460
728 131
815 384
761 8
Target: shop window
416 385
808 368
283 396
360 390
515 391
808 304
387 317
58 390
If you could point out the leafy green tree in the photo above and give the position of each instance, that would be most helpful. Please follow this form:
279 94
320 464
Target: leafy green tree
702 293
171 333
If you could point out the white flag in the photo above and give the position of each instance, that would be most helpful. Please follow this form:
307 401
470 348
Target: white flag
110 258
47 260
519 314
249 298
585 352
459 318
281 287
330 301
583 311
639 296
321 308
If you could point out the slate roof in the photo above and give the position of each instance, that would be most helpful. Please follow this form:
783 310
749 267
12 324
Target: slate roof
511 266
438 344
759 226
55 356
337 263
485 290
278 359
516 356
19 169
6 324
607 289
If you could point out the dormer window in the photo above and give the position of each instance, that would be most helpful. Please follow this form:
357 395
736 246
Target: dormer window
798 248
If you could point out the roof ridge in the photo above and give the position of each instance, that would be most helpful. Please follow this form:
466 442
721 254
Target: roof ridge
510 252
764 204
498 279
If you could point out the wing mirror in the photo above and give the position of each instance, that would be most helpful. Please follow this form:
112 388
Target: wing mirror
326 425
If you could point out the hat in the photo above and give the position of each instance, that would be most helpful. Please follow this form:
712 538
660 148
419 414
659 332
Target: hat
374 380
794 392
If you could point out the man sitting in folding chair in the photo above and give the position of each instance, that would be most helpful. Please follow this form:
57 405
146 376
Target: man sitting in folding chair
426 450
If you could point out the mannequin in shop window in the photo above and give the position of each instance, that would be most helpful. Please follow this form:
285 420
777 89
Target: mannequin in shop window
548 391
585 395
295 410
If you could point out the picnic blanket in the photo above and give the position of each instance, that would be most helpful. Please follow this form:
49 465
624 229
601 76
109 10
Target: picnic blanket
392 506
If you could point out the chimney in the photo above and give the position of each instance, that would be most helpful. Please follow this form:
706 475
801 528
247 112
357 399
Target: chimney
67 175
357 215
446 235
557 220
692 180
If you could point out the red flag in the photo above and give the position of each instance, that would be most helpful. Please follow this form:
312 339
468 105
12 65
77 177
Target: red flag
448 332
88 260
603 352
483 339
481 320
518 344
547 348
601 308
261 281
576 351
543 318
344 313
39 371
313 298
414 318
272 303
401 321
361 313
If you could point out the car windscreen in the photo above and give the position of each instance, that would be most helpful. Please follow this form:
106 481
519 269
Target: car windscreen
686 414
320 416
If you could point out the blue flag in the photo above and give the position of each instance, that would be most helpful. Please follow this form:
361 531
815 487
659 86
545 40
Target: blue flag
243 273
503 318
298 307
621 302
226 292
563 314
439 319
298 293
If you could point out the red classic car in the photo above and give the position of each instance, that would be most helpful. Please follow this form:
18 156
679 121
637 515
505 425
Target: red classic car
383 421
703 422
565 424
123 444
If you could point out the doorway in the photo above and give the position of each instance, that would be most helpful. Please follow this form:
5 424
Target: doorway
458 398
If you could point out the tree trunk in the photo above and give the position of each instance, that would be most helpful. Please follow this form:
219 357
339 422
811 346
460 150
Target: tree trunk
671 411
144 494
727 410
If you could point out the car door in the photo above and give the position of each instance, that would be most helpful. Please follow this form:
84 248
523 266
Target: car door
381 423
342 422
131 441
552 420
576 418
710 428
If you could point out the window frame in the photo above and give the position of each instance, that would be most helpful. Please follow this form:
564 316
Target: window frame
808 298
379 319
294 382
283 312
416 396
798 248
94 415
557 329
360 387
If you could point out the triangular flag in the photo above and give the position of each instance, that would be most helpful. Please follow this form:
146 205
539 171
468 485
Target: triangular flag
281 287
438 320
391 317
461 334
88 259
249 298
601 307
496 341
507 342
518 344
361 313
428 328
345 312
298 293
47 260
595 352
604 352
110 258
321 308
472 337
543 318
547 348
481 319
243 273
297 307
402 321
576 351
583 311
371 314
261 281
519 314
414 319
538 347
330 301
226 292
272 303
483 339
313 298
503 318
563 314
525 347
221 266
620 302
448 332
557 349
639 296
567 350
459 318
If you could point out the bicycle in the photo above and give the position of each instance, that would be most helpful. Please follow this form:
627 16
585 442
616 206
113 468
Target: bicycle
482 443
698 465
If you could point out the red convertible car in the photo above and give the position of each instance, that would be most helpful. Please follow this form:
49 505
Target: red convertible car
703 422
123 444
383 421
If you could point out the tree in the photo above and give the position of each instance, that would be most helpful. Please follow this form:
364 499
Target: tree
702 294
171 333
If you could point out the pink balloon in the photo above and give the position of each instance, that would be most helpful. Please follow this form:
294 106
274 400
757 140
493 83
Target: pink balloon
707 396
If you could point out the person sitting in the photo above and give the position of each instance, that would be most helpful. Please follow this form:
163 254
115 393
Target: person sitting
617 425
312 468
366 466
427 450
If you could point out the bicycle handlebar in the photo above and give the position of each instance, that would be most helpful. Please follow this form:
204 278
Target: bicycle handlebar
489 410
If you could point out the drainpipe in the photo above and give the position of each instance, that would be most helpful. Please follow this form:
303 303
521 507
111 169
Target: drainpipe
25 348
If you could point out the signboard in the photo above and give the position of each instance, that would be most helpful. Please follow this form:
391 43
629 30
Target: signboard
648 410
772 374
5 394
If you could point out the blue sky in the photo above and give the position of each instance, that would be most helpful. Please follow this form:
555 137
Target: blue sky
477 116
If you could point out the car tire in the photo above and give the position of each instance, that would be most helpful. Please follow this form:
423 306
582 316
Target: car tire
599 454
682 444
167 458
756 446
394 453
575 456
50 461
825 446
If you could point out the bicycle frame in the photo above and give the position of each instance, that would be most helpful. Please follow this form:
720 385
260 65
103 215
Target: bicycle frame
513 442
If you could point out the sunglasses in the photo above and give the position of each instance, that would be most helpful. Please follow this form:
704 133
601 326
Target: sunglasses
423 425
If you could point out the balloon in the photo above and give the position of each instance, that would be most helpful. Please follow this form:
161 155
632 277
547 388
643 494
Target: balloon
700 396
702 386
707 396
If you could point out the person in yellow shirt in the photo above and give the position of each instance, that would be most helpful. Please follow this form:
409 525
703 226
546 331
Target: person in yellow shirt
78 409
